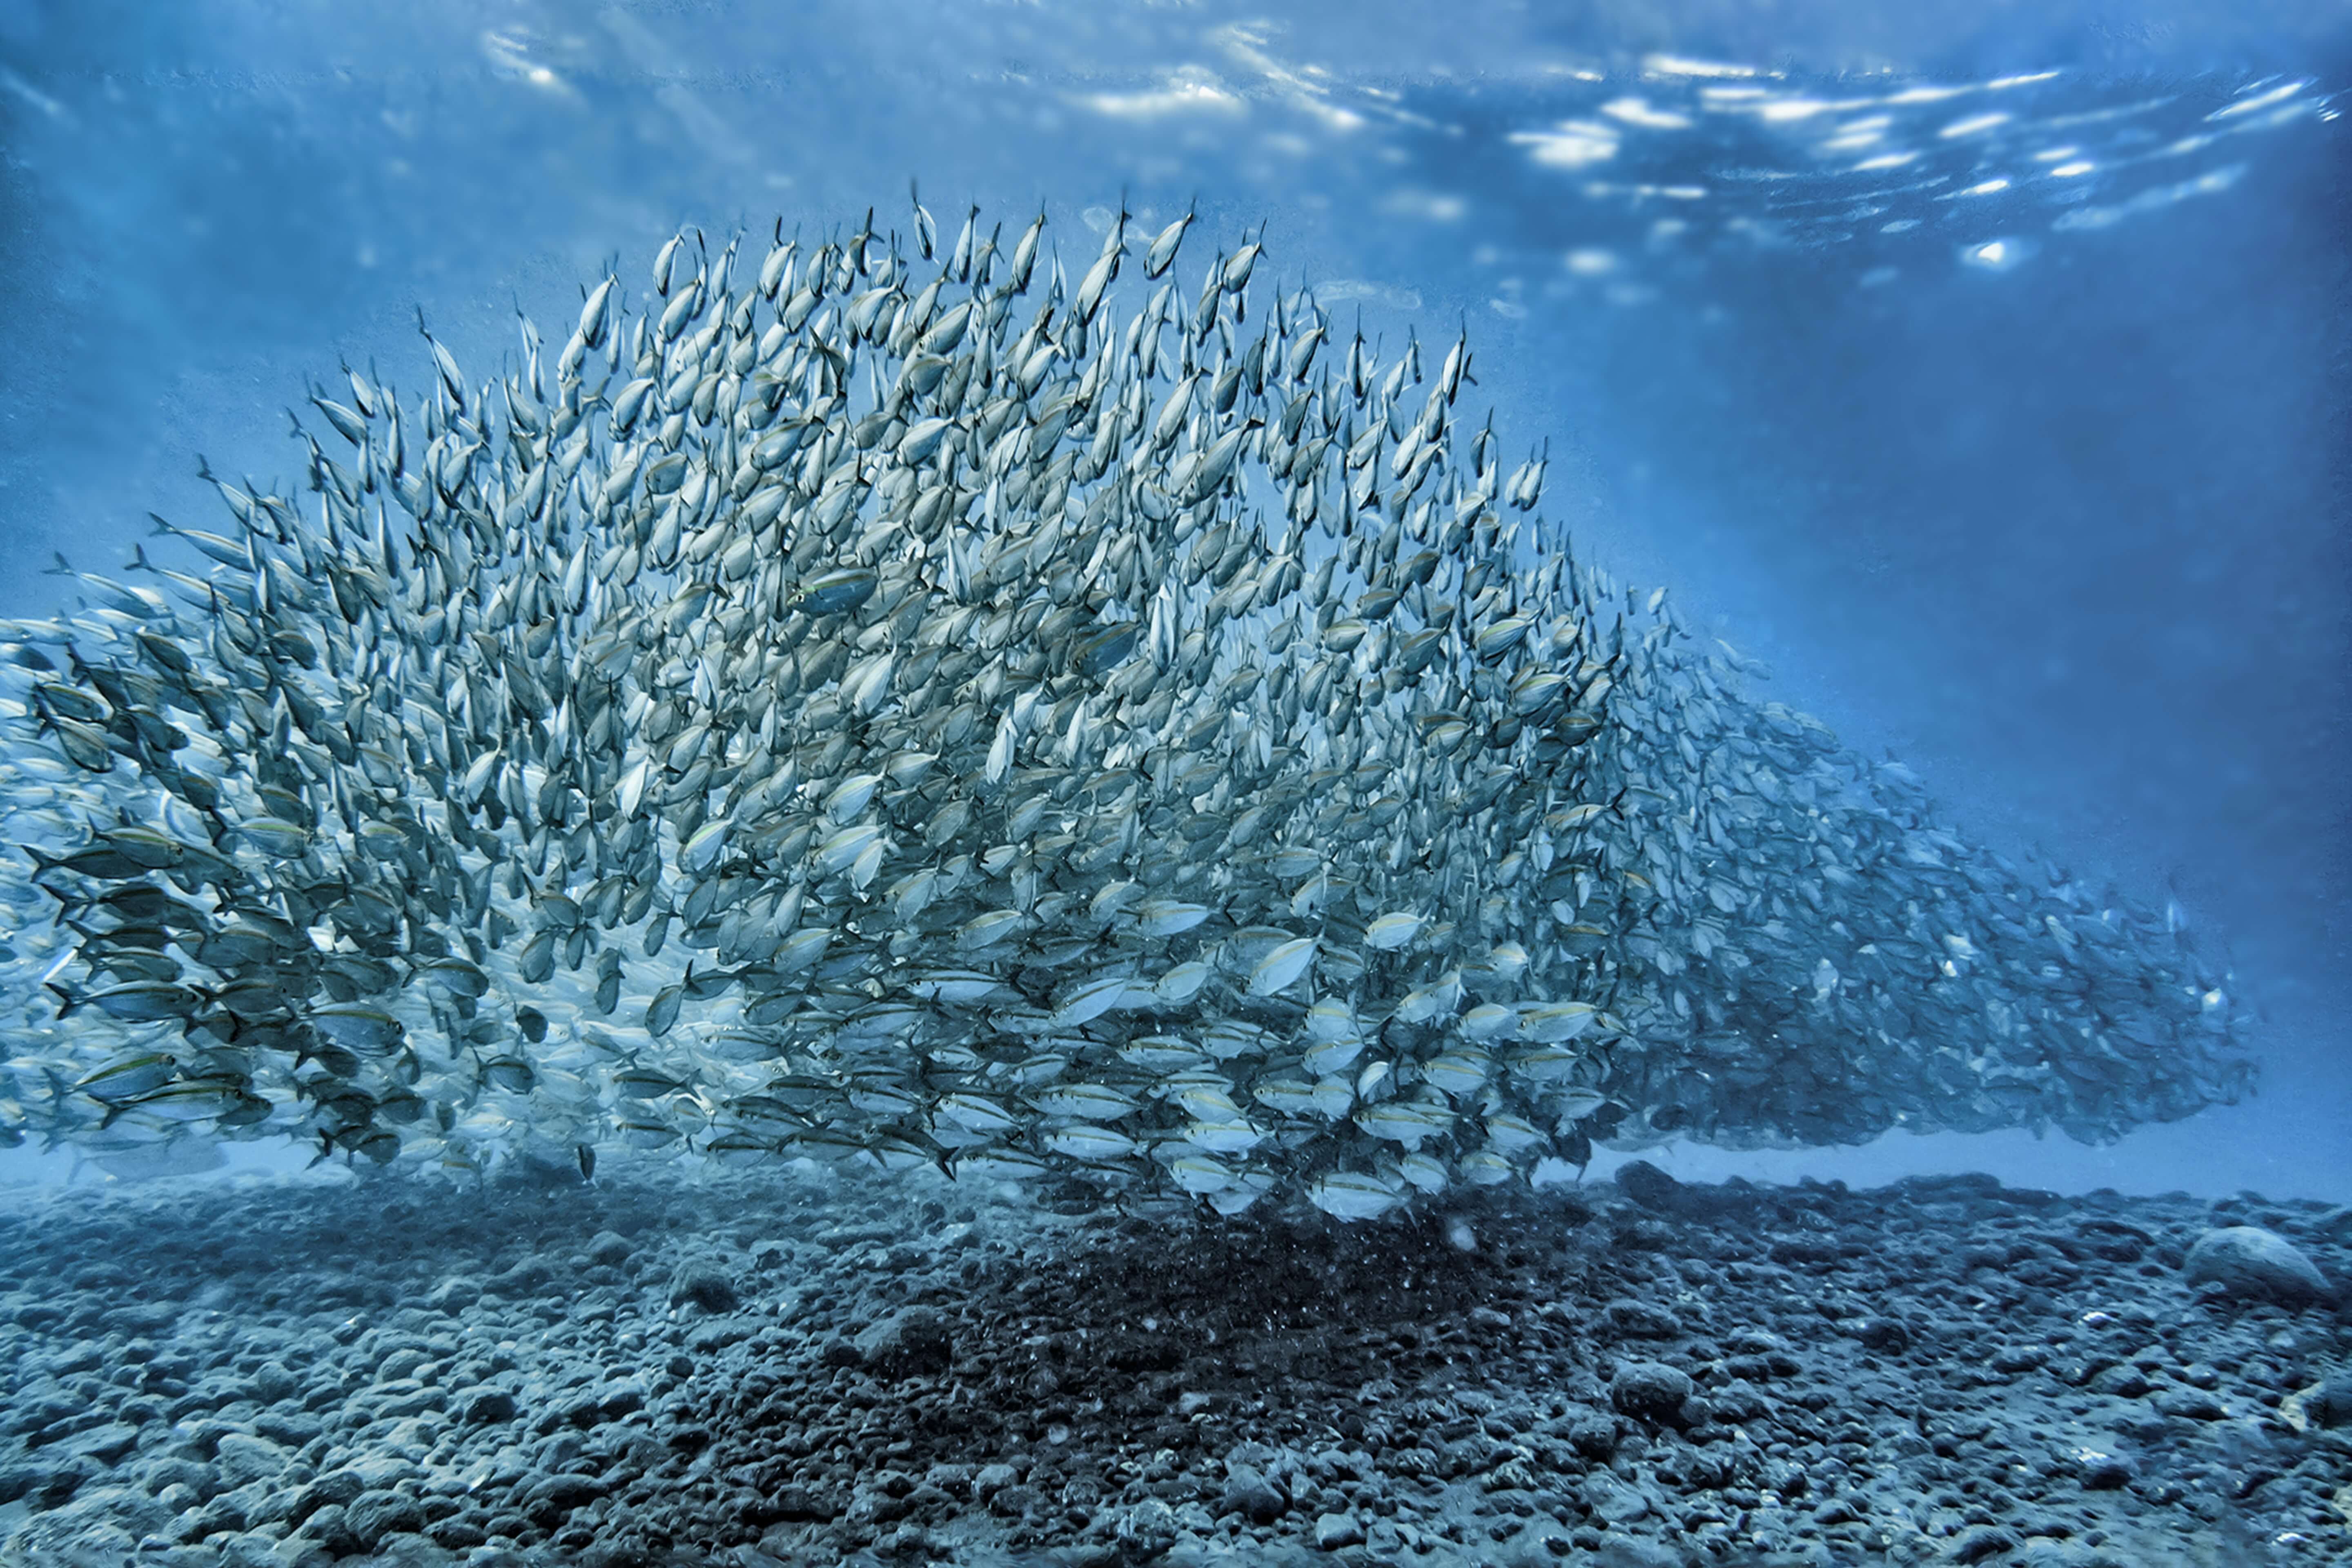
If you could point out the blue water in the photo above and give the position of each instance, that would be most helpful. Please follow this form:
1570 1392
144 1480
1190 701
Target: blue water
1987 375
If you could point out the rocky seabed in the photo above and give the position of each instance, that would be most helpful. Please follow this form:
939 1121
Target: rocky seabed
821 1368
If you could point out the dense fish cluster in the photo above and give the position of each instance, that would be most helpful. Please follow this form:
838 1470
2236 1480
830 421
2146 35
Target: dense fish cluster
891 705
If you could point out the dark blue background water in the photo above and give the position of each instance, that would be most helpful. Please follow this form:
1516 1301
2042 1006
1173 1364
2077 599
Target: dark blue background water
1987 374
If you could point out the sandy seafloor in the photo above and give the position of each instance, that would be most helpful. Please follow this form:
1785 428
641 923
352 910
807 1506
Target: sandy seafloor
820 1368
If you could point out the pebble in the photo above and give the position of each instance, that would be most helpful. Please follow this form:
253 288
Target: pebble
2248 1261
454 1295
1334 1530
105 1444
2104 1472
1248 1493
553 1496
703 1283
372 1515
484 1404
1641 1319
1650 1391
1612 1499
907 1343
332 1489
1982 1543
2331 1406
606 1249
1649 1186
240 1459
2192 1405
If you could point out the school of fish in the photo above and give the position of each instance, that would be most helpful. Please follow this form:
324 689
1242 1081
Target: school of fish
891 705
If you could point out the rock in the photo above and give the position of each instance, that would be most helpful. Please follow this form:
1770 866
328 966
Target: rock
1883 1334
328 1527
332 1489
2121 1383
1014 1500
175 1470
2331 1405
1334 1530
718 1333
242 1460
259 1504
1251 1495
2104 1472
1612 1499
1649 1186
292 1427
2247 1260
1650 1391
1641 1320
273 1382
372 1515
459 1532
703 1283
525 1277
1146 1531
1593 1436
607 1250
102 1525
906 1343
220 1514
483 1404
2192 1405
453 1295
620 1397
1983 1542
1619 1550
992 1479
799 1504
381 1467
244 1550
401 1362
105 1444
551 1498
2010 1360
